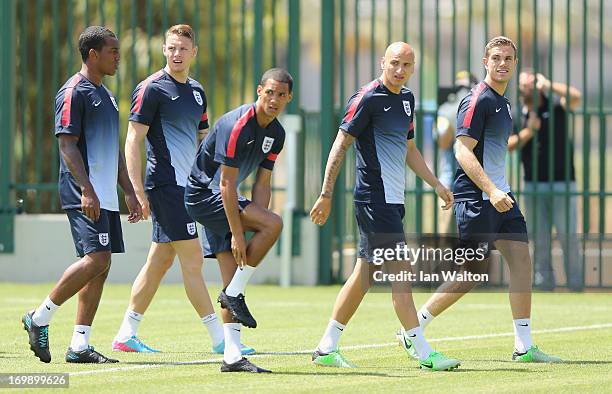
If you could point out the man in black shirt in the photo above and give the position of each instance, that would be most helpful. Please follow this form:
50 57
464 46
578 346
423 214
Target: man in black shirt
554 208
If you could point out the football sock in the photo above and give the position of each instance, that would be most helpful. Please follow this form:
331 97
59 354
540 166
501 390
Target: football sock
422 347
330 339
522 335
215 330
129 326
80 338
425 317
232 352
239 281
43 314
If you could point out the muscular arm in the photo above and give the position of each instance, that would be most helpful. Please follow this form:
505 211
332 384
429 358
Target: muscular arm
262 188
135 136
415 161
73 159
90 205
122 176
322 207
229 195
334 162
464 153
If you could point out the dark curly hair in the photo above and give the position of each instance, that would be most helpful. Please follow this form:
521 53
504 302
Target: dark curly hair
93 37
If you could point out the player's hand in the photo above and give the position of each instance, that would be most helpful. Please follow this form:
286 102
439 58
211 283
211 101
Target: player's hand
445 195
90 204
133 207
144 205
239 249
533 122
542 83
320 210
500 200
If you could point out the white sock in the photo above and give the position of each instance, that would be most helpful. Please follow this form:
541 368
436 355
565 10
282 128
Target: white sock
80 338
425 317
330 339
129 325
422 347
214 328
232 353
522 335
239 281
43 314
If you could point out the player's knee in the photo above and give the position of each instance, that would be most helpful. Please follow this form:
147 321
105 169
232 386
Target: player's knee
98 262
275 224
193 266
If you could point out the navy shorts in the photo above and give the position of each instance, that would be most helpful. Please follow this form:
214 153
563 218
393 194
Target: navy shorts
380 226
171 222
478 221
90 236
207 209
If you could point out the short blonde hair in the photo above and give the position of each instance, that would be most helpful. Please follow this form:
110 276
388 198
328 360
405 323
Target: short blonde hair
182 31
499 41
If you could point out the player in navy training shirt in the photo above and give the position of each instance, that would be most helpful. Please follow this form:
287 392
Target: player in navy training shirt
168 111
379 120
486 211
244 140
91 164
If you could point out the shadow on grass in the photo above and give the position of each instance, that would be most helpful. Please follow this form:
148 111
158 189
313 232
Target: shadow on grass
567 362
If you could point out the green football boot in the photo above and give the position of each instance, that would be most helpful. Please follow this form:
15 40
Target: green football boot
535 355
331 359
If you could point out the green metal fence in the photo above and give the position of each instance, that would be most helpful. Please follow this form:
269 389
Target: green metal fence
335 43
564 40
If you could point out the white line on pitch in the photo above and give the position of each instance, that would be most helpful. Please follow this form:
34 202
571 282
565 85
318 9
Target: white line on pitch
376 345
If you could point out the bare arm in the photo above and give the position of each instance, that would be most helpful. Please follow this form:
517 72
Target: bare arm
445 139
131 201
229 195
518 140
562 90
135 136
322 207
415 161
464 152
90 205
262 188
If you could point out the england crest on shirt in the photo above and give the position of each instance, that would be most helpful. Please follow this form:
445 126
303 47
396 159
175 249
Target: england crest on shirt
114 103
267 144
198 97
407 107
103 238
191 228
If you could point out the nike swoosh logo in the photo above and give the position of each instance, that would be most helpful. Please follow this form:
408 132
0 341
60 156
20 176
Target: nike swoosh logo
386 109
47 308
498 109
412 336
174 98
236 329
81 332
523 325
427 365
424 317
341 329
250 142
96 103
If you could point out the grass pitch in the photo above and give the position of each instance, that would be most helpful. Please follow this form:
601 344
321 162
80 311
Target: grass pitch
477 330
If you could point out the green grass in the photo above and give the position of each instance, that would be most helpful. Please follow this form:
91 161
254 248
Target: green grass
291 322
